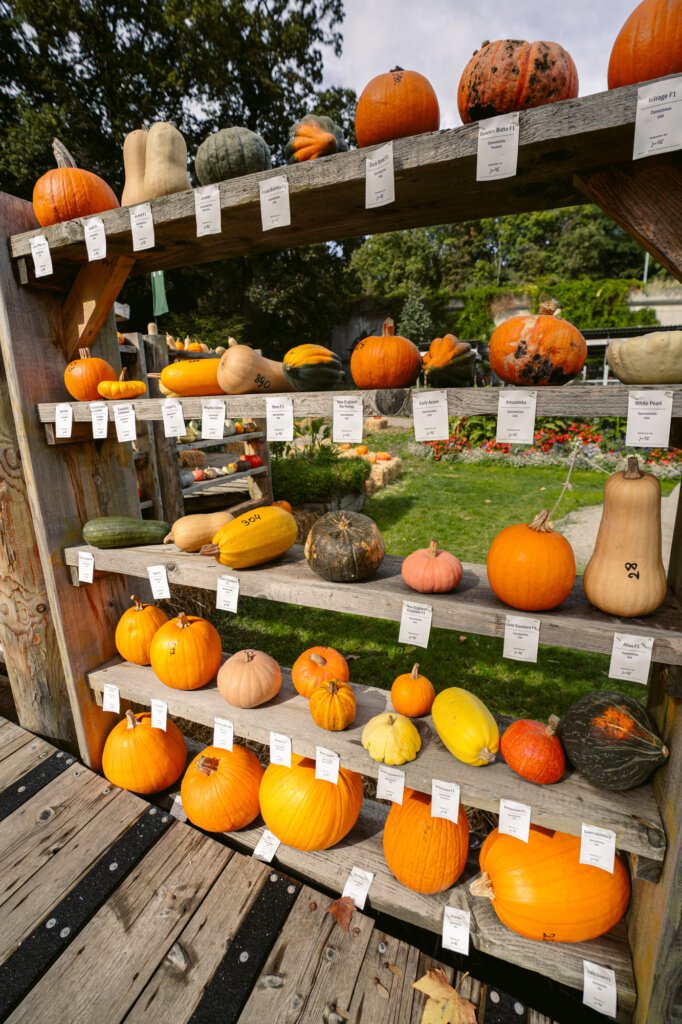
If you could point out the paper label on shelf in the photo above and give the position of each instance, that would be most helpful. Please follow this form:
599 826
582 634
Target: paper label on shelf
649 415
63 420
598 847
379 178
142 227
212 419
357 886
95 238
111 698
159 710
521 638
176 808
173 419
279 417
348 421
280 749
207 210
514 819
658 123
516 416
124 420
223 733
274 202
444 800
456 930
327 763
415 624
266 847
86 567
430 415
99 412
158 577
498 147
599 988
631 656
227 594
40 251
390 784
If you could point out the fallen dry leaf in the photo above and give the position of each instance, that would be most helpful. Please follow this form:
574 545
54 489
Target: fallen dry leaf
444 1005
342 911
381 989
394 969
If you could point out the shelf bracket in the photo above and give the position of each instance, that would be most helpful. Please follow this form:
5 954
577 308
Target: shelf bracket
89 302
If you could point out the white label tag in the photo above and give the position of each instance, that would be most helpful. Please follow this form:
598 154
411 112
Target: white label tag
111 698
266 847
599 988
124 419
649 414
212 419
280 749
380 178
390 784
444 800
631 657
142 227
348 421
514 819
227 594
274 202
521 638
357 886
279 417
658 124
223 733
598 847
207 210
159 582
456 930
516 416
327 763
99 412
176 809
498 147
86 567
63 420
173 420
430 414
95 238
159 710
40 251
415 624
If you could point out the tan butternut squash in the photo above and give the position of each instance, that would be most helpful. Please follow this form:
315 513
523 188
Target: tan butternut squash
165 168
625 575
189 377
243 372
191 532
134 153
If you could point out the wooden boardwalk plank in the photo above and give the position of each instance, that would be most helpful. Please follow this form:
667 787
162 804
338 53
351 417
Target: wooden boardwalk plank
383 992
23 758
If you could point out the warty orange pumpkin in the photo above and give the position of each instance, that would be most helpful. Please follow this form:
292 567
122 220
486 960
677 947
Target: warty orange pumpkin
142 759
219 790
537 350
425 854
136 629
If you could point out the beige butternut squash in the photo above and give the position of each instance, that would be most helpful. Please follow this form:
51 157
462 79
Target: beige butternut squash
625 575
165 169
134 155
191 532
243 372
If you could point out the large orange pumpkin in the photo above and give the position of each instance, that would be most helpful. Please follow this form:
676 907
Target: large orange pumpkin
425 854
511 74
541 891
317 665
186 652
394 105
69 191
531 567
135 631
385 361
649 45
142 759
220 789
537 349
83 376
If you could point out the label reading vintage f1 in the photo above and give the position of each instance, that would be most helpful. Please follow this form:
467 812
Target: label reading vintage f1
649 415
379 178
40 251
430 414
598 847
95 238
212 419
456 929
63 420
207 210
658 125
142 227
415 624
521 638
279 418
631 655
599 988
444 800
348 420
498 147
516 416
357 886
274 202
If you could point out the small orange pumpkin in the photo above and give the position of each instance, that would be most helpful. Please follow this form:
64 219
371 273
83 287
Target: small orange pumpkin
186 652
534 751
135 631
538 349
425 854
394 105
318 665
249 678
431 570
83 376
69 192
412 694
121 388
219 790
385 361
142 759
649 45
362 449
531 567
332 705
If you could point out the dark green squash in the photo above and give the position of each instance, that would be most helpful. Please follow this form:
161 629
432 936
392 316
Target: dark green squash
124 532
344 547
312 368
314 136
230 153
612 740
449 363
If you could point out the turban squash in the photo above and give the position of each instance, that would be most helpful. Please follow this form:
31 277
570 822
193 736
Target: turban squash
312 137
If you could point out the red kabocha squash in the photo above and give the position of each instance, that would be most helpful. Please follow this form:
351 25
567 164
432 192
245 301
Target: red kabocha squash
332 705
136 629
511 74
425 854
531 567
219 790
142 759
318 665
412 694
432 570
395 105
540 889
533 750
538 349
186 652
83 376
649 45
385 361
68 191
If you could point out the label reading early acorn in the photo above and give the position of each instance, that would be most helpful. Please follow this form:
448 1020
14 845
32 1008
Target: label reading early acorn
415 624
516 416
274 202
649 415
86 567
212 419
207 210
40 251
498 147
658 123
63 420
279 418
514 819
599 988
357 886
521 638
430 415
631 656
445 800
95 238
142 227
379 178
99 415
348 420
456 930
598 847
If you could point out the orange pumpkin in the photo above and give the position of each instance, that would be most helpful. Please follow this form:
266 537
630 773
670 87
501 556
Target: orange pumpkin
537 349
135 631
394 105
332 705
412 694
186 652
69 192
142 759
425 854
220 789
531 567
431 570
285 505
318 665
385 361
649 45
362 449
511 74
534 751
83 376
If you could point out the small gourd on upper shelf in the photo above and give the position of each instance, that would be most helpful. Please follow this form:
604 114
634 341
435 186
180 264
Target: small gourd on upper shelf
312 137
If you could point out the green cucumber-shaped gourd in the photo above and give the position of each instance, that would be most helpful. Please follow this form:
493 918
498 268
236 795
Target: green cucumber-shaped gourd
124 532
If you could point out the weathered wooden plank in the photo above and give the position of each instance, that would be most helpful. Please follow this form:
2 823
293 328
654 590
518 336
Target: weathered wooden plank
12 737
383 992
22 759
89 302
260 489
144 453
172 502
222 483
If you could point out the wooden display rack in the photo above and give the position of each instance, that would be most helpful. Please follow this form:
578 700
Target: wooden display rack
58 638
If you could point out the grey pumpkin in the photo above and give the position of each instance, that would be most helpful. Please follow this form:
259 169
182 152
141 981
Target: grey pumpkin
230 153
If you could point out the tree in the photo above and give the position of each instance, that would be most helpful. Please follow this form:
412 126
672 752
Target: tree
415 320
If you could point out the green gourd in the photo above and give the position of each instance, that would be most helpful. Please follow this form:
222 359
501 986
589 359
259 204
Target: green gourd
230 153
124 532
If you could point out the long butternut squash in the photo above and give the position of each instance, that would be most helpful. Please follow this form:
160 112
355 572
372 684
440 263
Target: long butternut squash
243 372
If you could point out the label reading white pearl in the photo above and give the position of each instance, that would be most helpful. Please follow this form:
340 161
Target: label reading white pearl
658 122
40 251
649 415
99 413
173 420
274 202
158 578
159 710
521 638
111 698
279 417
516 416
514 819
266 847
280 749
379 178
348 420
95 238
212 419
86 567
63 420
327 763
430 415
445 800
142 227
124 420
598 847
631 656
456 930
223 733
415 624
390 784
498 147
357 886
207 210
599 988
176 808
227 594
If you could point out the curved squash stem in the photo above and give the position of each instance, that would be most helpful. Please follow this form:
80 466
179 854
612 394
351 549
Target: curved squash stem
415 670
390 719
333 688
433 548
486 755
568 486
207 765
122 375
483 887
549 308
633 472
210 550
136 601
318 659
552 725
62 155
132 720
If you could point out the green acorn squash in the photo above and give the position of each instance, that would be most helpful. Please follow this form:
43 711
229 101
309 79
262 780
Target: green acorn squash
230 153
449 363
312 368
312 137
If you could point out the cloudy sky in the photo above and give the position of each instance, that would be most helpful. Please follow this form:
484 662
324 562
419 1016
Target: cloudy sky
437 37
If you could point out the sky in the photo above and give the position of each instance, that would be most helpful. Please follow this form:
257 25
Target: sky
437 38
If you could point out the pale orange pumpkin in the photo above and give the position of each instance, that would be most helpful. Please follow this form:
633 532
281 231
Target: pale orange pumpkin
136 629
412 694
249 678
531 567
318 665
394 105
425 854
432 570
219 790
385 361
142 759
186 652
538 349
649 45
83 376
332 705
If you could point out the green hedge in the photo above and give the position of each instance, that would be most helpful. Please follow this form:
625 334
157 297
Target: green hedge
302 478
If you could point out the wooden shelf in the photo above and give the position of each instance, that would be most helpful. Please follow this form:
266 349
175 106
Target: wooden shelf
633 816
228 439
203 486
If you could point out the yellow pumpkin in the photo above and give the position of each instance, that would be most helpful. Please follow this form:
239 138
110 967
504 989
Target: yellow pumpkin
391 738
256 537
465 726
121 388
190 533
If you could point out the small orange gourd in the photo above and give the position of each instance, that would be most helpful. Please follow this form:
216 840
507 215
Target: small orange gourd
531 567
412 694
136 629
186 652
425 854
219 790
142 759
332 705
121 388
318 665
83 376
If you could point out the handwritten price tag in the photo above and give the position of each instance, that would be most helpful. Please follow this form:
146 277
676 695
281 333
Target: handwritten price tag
380 178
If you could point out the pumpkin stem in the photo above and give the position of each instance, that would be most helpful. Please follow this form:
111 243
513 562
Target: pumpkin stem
211 550
84 353
541 522
318 659
62 155
250 655
552 725
231 342
183 621
122 375
486 755
132 720
332 687
397 68
136 601
390 720
483 886
433 548
549 308
207 765
633 472
415 670
388 328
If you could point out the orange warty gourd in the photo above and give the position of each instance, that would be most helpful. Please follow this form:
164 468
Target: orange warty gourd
83 376
425 854
220 789
432 570
541 891
332 705
186 652
534 751
538 349
317 665
249 678
136 629
386 361
142 759
395 105
69 191
649 45
412 694
531 567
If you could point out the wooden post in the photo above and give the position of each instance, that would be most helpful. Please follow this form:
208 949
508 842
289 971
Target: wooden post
145 447
260 487
156 357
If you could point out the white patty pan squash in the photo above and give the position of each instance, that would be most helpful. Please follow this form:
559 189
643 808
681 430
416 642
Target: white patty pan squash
465 726
391 738
650 359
